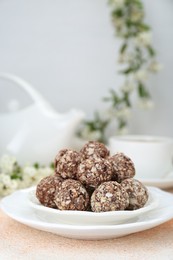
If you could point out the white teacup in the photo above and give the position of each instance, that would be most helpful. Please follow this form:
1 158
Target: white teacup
152 155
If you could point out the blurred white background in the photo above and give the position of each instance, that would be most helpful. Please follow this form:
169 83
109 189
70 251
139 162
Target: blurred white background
68 51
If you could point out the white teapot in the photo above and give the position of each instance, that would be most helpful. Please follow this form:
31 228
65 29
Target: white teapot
37 132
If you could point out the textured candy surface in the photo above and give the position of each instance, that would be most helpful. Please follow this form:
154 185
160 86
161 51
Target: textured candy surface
45 190
138 194
94 149
122 166
66 163
72 196
93 171
109 196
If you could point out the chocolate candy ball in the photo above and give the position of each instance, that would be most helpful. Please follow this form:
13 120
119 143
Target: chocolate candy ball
109 196
94 149
45 190
138 194
122 166
66 163
93 171
72 196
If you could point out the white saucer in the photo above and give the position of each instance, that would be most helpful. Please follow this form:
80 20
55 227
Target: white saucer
86 217
162 183
17 207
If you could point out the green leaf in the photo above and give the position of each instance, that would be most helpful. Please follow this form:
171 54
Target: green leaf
127 71
138 3
16 175
142 91
126 99
123 48
144 27
151 51
36 165
121 124
118 13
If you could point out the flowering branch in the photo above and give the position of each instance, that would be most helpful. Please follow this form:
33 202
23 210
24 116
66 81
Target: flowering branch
13 176
137 59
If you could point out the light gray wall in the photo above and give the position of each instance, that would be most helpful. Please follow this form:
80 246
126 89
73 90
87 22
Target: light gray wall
67 50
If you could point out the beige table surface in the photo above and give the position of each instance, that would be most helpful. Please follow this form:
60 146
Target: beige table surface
18 241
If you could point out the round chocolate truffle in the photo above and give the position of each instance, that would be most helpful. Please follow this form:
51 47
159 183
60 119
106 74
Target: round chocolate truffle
66 163
94 149
72 196
93 171
109 196
138 194
122 167
45 190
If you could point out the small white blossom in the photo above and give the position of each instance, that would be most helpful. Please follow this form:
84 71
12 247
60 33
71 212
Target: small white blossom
119 23
87 134
43 172
144 38
7 163
117 3
5 179
128 87
125 57
30 171
145 103
30 175
141 75
122 131
136 15
95 135
155 66
124 113
14 184
25 182
7 185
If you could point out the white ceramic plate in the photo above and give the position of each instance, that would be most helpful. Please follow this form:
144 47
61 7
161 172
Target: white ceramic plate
88 218
17 207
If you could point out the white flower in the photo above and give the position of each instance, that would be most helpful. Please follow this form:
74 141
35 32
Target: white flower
141 75
125 57
117 3
32 176
124 113
119 24
7 185
87 134
144 38
95 135
5 179
43 172
122 131
145 103
136 14
155 66
14 184
28 176
7 163
25 182
128 87
29 171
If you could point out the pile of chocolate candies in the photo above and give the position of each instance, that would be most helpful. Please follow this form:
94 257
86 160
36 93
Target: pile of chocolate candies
92 180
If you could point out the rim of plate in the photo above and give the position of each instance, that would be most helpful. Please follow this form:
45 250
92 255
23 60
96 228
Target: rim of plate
150 204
